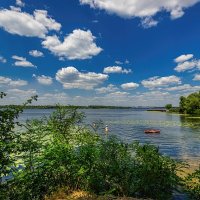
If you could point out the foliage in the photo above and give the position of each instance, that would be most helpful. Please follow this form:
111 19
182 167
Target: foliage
168 106
156 174
190 104
60 151
192 184
9 140
62 122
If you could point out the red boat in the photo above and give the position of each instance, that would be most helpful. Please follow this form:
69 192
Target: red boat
150 131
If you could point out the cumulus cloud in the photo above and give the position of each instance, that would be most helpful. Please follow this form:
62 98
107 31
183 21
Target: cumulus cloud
116 69
118 94
129 86
145 9
148 22
110 88
25 24
185 88
186 62
22 62
118 62
44 80
20 3
42 17
196 77
121 63
79 44
36 53
71 78
13 83
183 58
21 94
156 81
2 59
4 80
187 65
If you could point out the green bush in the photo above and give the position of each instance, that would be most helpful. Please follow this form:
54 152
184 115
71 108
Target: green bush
192 184
156 174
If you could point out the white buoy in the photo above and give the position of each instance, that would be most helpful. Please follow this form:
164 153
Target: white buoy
106 129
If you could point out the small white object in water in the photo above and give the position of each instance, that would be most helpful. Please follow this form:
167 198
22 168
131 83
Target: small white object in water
106 129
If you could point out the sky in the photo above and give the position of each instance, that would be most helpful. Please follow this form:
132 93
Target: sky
99 52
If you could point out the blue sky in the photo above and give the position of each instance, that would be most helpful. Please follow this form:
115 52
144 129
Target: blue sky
99 52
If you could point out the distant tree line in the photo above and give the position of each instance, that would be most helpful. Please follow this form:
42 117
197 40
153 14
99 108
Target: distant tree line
67 106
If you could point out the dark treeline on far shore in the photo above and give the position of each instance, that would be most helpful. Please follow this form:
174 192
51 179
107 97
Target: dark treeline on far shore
68 106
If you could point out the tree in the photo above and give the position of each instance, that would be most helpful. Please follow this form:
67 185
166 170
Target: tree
168 106
190 104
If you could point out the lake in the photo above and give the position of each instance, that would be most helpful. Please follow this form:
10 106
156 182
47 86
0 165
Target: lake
179 137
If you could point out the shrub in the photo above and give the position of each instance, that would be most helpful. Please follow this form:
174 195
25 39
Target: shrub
192 184
156 175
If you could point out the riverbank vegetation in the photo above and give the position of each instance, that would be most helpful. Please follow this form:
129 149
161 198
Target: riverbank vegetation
189 105
61 152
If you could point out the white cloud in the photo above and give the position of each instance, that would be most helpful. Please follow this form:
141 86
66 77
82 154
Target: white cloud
42 17
196 77
2 59
25 24
156 81
185 88
118 62
186 62
15 8
177 13
70 77
116 69
148 22
22 62
117 94
121 63
22 94
44 80
36 53
79 44
129 86
54 98
4 80
142 9
180 87
18 83
20 3
95 21
183 58
127 61
13 83
110 88
187 65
